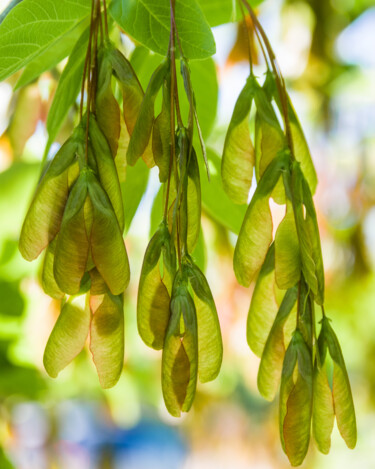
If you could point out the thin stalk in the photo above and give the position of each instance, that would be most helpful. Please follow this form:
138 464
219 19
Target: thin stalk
105 18
247 34
280 83
87 59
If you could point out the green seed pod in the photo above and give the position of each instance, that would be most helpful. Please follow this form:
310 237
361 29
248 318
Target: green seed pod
274 349
68 336
107 170
106 331
256 230
153 296
142 130
210 345
238 154
107 108
43 219
180 352
296 400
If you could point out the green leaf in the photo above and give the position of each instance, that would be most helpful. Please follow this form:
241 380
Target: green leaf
180 353
273 353
219 12
51 56
107 336
238 154
143 127
210 345
215 201
153 297
43 218
72 245
133 189
256 230
148 22
263 306
67 88
287 251
107 170
342 394
107 246
67 338
31 27
323 410
296 400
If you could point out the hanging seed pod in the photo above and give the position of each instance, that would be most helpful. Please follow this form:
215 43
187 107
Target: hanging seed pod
107 170
106 331
210 346
48 279
43 219
180 351
154 290
256 230
274 349
143 127
161 133
107 108
296 400
68 336
341 392
238 154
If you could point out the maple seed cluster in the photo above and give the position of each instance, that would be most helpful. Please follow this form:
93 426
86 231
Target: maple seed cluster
281 326
77 217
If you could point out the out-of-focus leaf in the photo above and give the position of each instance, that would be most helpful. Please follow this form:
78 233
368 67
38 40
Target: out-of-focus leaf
256 231
72 245
30 28
44 216
143 127
273 353
107 336
133 189
107 246
263 307
107 170
68 87
12 303
287 251
149 23
180 353
51 56
67 338
153 297
238 154
296 400
210 346
48 279
223 11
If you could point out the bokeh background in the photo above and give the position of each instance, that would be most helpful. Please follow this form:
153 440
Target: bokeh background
325 49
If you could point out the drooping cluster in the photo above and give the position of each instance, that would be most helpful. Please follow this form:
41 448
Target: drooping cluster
281 326
175 311
77 216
